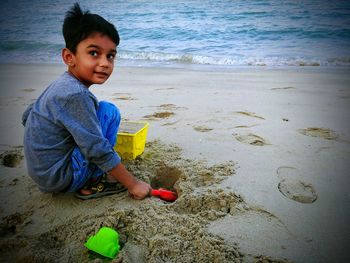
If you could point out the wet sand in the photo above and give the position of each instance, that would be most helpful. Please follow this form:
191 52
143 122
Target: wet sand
259 158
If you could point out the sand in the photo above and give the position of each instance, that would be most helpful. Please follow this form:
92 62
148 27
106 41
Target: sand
259 157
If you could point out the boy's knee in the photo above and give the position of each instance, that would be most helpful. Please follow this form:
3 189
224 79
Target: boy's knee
107 108
105 105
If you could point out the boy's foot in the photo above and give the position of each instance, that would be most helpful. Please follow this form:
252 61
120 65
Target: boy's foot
101 187
85 192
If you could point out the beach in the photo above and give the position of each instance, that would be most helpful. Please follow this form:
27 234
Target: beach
259 156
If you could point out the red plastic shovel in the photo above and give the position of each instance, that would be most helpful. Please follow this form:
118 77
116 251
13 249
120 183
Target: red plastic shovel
163 194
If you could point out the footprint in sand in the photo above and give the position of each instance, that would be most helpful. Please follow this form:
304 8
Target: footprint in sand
293 188
283 88
159 115
251 139
125 98
165 111
28 90
249 114
168 106
202 128
245 126
166 89
325 133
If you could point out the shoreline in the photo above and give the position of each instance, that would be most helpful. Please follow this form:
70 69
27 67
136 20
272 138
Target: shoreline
200 67
278 138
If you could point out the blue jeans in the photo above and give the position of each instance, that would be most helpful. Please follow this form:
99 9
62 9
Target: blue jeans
109 117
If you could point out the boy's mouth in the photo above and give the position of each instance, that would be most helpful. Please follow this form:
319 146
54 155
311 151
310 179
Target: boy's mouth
102 74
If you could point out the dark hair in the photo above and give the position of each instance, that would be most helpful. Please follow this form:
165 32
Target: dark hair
79 25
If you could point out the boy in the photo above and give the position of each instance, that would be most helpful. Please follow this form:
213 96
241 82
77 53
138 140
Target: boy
69 136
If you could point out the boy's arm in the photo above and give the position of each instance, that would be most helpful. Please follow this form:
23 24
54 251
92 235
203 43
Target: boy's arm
26 114
137 189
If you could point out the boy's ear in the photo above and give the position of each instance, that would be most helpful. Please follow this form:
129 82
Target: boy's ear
68 57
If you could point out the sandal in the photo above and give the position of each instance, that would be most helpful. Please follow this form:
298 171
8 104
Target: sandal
101 188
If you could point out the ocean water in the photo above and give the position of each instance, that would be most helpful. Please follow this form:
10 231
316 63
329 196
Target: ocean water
222 33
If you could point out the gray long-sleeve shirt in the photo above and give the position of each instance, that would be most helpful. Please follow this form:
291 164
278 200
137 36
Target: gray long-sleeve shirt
64 116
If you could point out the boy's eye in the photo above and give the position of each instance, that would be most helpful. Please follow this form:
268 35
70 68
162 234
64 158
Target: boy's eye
111 56
93 53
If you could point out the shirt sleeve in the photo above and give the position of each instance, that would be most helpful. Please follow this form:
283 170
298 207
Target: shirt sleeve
80 119
26 114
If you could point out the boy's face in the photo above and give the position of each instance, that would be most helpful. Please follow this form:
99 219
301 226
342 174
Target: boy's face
93 61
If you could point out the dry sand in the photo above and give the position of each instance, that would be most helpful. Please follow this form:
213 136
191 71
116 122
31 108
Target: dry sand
260 159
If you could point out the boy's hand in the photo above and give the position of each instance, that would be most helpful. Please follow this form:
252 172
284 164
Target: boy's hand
140 190
137 189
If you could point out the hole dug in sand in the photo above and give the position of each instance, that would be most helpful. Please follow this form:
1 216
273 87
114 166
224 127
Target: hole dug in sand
166 177
11 158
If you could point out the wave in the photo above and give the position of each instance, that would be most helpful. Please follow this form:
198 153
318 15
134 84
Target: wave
37 52
159 57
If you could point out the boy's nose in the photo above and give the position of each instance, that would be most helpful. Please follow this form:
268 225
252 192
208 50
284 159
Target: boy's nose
104 62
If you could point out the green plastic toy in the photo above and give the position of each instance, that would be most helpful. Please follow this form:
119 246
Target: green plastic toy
105 242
